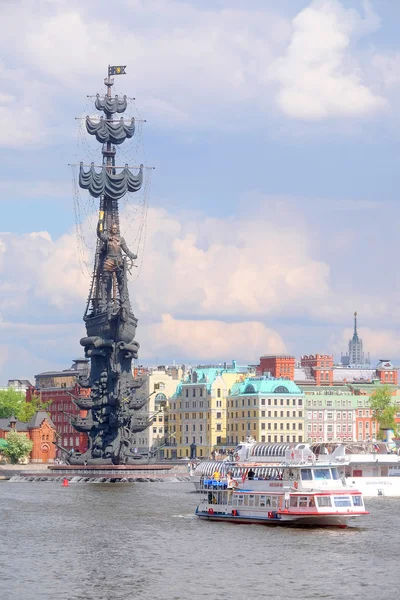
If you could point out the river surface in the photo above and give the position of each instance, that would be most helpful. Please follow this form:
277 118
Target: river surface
123 541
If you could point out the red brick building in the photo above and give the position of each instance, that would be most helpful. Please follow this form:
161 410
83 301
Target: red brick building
61 387
320 367
277 366
386 372
40 430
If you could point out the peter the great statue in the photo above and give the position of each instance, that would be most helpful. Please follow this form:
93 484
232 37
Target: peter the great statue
111 416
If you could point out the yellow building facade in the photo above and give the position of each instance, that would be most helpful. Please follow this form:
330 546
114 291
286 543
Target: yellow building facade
197 412
266 409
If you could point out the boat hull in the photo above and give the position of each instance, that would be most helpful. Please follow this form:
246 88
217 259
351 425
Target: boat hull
340 521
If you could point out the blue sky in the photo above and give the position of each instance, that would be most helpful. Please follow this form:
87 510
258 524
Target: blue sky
274 130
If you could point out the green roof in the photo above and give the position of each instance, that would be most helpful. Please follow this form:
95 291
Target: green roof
265 385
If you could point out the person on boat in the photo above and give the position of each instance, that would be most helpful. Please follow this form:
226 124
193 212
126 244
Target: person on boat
216 475
232 484
250 475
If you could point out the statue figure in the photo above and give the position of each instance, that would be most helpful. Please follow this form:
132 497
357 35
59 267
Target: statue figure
114 264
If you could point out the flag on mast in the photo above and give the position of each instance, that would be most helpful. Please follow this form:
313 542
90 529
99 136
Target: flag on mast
116 70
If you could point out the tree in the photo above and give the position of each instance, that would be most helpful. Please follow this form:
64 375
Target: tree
28 409
385 408
13 403
10 403
18 446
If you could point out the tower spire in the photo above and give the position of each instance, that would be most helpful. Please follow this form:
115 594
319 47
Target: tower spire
355 334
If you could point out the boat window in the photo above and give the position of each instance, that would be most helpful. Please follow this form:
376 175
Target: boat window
322 474
262 500
342 501
251 500
324 501
268 503
235 500
335 474
246 501
357 501
256 500
303 501
293 501
306 474
240 500
274 501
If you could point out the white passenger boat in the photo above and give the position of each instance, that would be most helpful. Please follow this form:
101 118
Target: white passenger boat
302 493
372 468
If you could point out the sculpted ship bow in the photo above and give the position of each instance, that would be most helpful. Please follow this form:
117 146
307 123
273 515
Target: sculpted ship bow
111 415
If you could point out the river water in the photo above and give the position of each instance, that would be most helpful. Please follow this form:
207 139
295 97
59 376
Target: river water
123 541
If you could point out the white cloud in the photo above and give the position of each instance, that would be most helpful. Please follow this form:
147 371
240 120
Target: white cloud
188 64
319 77
209 340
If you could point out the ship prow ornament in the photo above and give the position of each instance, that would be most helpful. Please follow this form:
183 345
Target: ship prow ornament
114 413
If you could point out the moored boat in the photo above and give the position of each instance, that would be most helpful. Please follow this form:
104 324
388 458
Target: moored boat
372 468
302 493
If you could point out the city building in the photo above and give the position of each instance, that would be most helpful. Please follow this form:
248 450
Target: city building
266 408
40 430
277 366
198 410
159 386
317 368
331 415
355 356
386 372
61 387
18 385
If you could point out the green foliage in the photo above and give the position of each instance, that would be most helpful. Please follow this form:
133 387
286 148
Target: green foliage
28 409
18 446
13 403
10 403
385 408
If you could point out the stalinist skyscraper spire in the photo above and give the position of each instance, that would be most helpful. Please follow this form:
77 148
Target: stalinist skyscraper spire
355 356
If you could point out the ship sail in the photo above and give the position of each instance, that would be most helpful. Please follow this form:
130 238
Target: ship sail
104 182
111 105
116 133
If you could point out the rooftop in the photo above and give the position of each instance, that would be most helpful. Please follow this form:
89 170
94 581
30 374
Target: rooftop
265 385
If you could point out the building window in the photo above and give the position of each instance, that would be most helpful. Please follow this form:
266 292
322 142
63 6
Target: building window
201 391
187 393
262 401
219 415
194 392
262 425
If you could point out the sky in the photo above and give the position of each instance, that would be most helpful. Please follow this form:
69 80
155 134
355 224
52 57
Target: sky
272 212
